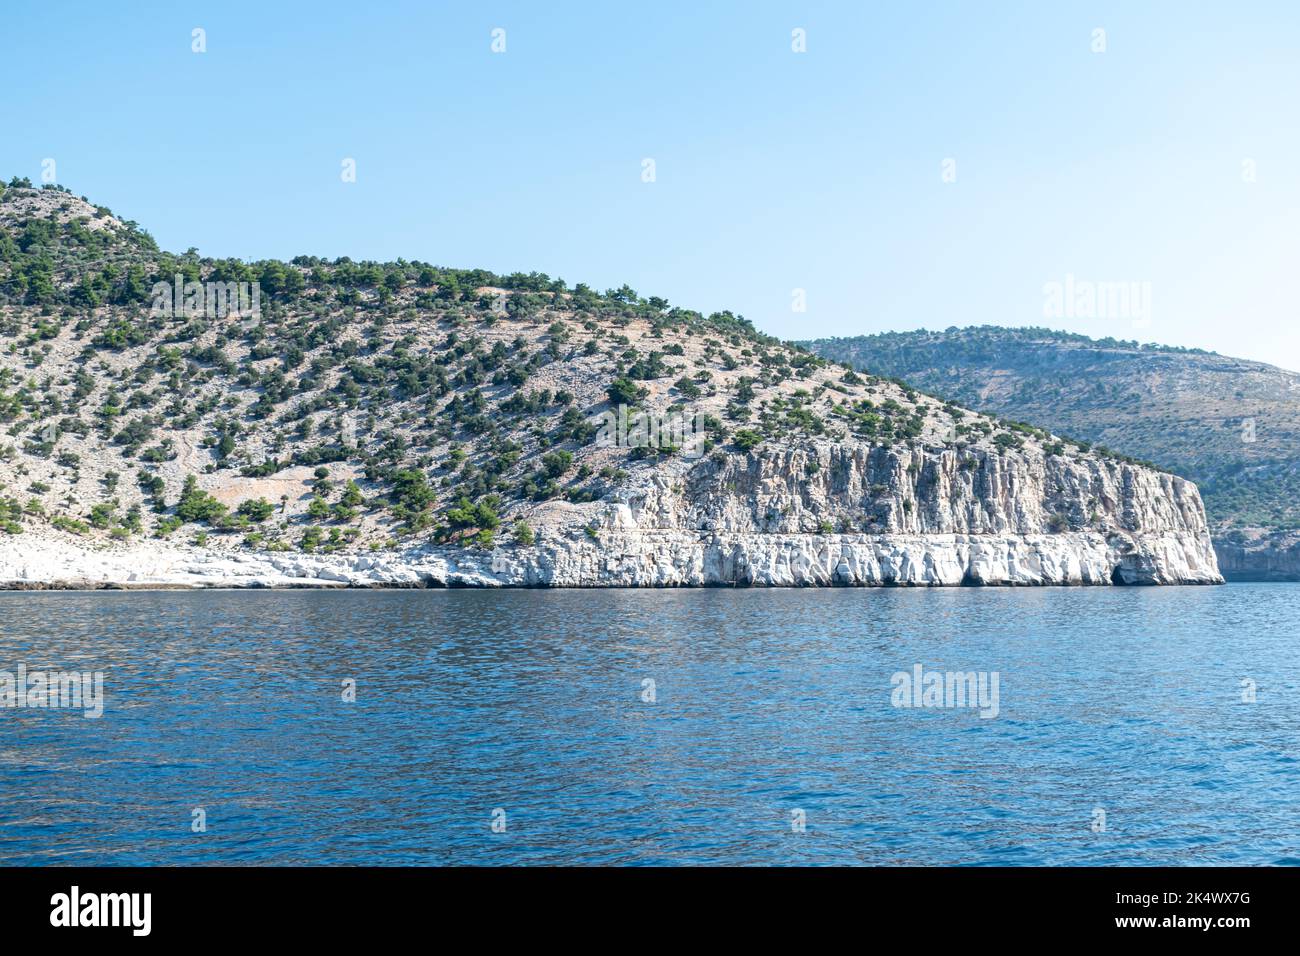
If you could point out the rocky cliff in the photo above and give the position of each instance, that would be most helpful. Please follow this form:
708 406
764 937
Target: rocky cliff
1259 555
402 423
942 518
1229 424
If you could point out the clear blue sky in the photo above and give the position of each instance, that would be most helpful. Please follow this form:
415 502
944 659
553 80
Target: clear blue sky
775 170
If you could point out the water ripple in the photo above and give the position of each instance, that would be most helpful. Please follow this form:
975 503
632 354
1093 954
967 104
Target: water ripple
770 709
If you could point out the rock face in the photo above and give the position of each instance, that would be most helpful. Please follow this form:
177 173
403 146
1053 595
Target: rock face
1231 425
831 515
1258 555
387 423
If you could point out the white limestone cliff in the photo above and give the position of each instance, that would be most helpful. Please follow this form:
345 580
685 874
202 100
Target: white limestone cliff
830 515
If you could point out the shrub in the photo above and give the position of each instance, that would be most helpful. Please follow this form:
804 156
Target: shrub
167 525
198 505
556 463
467 515
256 509
412 489
102 516
624 391
352 494
64 523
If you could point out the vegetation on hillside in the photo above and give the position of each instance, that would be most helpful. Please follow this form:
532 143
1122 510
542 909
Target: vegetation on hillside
1231 425
368 402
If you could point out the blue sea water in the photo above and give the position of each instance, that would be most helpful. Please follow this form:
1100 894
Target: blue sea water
769 706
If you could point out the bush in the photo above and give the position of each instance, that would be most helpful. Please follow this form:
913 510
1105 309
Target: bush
256 509
167 526
467 515
198 505
687 387
102 516
352 494
624 391
412 489
556 463
64 523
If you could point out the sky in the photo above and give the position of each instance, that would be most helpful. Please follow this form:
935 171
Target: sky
916 165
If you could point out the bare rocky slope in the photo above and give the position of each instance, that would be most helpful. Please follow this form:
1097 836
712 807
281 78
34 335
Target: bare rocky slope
400 424
1229 424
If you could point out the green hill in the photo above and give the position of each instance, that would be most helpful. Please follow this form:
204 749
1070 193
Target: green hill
1231 425
368 403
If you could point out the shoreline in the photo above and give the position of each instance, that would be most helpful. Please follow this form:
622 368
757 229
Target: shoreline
83 587
641 558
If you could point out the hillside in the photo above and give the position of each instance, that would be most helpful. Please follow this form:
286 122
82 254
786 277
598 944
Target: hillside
1231 425
448 420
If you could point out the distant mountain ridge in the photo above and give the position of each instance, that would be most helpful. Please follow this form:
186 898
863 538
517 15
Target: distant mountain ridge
1231 425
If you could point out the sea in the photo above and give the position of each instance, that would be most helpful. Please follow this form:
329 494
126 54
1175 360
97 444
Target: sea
874 726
